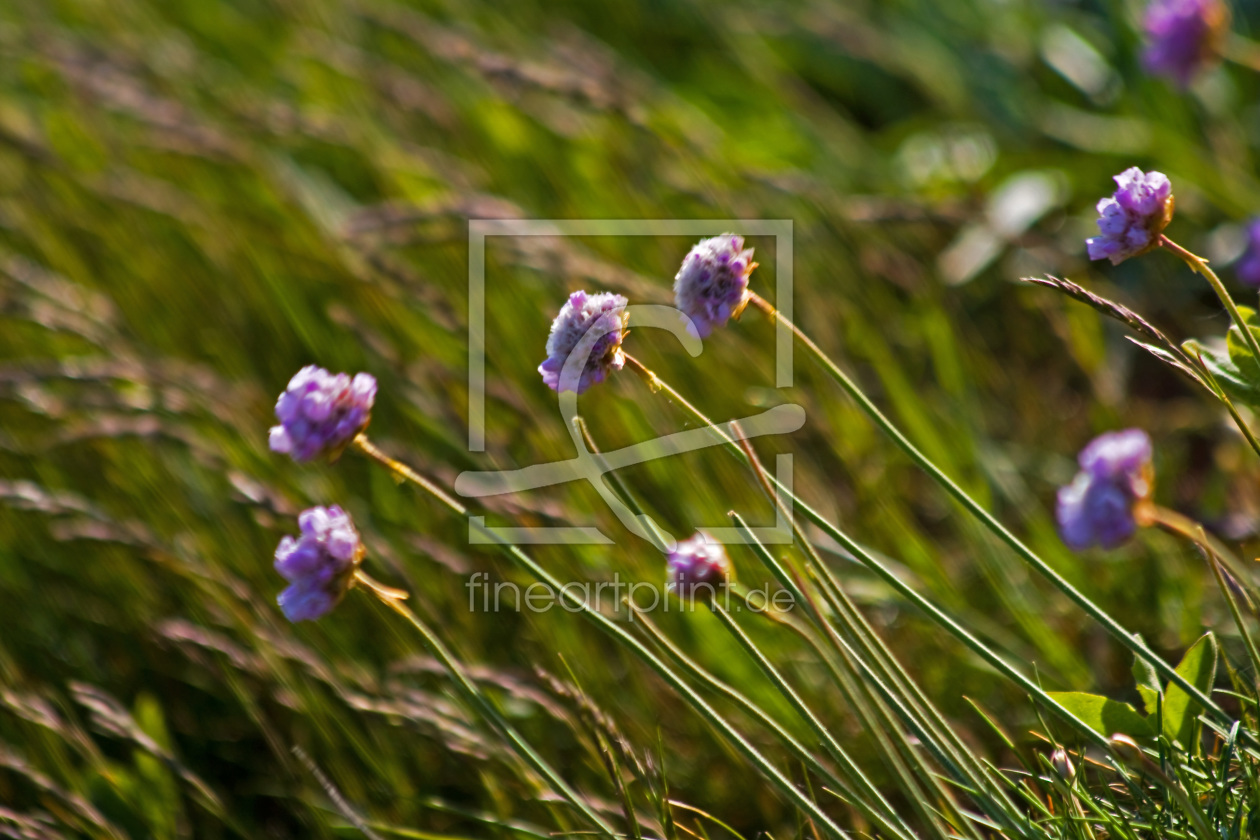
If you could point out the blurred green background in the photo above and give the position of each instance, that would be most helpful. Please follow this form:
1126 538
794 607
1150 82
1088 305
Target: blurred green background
197 198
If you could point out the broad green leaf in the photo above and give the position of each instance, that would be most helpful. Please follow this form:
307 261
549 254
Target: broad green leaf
1198 666
1244 388
1104 715
1239 353
1147 684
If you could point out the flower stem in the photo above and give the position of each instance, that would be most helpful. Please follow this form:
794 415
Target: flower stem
886 816
393 599
991 522
785 785
1218 556
1200 266
869 560
1186 527
820 729
402 471
887 674
379 589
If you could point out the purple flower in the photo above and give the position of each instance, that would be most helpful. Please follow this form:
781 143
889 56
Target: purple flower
319 565
1097 508
698 562
592 327
1132 220
1183 37
1249 266
712 285
321 413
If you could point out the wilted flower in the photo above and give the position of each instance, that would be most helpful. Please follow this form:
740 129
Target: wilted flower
321 413
1183 37
1249 265
712 285
601 316
699 561
319 564
1132 220
1098 506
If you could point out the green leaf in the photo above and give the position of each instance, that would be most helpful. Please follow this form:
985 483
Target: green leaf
1239 353
1198 666
1241 387
1105 716
1147 684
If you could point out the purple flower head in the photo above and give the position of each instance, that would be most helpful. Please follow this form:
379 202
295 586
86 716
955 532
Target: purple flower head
321 413
712 285
696 563
1249 265
1097 508
319 565
1183 37
592 326
1132 220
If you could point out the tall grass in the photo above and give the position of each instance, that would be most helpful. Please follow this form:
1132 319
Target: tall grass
198 198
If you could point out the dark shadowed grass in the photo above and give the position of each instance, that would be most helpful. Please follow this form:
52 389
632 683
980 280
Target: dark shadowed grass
198 198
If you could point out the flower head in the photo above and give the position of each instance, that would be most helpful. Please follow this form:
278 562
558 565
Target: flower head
319 565
1183 37
1062 763
1098 506
712 285
1249 266
593 326
1132 220
698 562
321 413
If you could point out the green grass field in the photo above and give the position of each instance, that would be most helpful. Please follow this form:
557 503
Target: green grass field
199 197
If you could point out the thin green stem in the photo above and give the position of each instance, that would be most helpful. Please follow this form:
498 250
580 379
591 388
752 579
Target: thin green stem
915 708
1111 625
390 598
620 488
893 684
869 560
886 816
1218 391
1184 526
802 709
1216 555
1125 747
1200 267
784 784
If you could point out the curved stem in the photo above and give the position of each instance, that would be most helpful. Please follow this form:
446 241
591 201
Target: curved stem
892 682
784 784
1112 626
869 560
885 816
820 729
912 704
1217 555
379 589
393 598
1200 266
1214 386
405 472
1186 527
